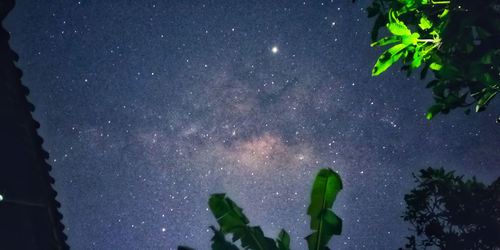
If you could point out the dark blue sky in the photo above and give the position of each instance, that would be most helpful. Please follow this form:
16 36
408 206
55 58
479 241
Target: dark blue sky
148 107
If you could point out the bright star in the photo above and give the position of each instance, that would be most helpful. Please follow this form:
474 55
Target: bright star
274 49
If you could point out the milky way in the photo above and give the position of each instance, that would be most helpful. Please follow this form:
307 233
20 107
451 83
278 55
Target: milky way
149 107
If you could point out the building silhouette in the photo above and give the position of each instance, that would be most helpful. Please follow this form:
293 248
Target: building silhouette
29 217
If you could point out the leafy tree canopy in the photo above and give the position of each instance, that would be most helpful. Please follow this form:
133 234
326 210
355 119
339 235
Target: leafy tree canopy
450 213
459 40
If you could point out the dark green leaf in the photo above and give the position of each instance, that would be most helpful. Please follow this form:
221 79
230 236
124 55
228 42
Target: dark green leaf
373 10
283 240
448 72
423 74
219 241
486 78
486 59
232 220
469 48
482 33
432 83
438 91
380 22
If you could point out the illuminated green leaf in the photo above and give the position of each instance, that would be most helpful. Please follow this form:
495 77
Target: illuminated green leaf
424 23
410 40
388 58
398 29
417 60
445 12
386 40
435 66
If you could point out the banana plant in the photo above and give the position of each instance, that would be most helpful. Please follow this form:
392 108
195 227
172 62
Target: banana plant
219 241
232 221
324 222
283 240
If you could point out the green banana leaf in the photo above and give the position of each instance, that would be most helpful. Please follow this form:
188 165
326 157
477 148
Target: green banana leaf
232 221
324 222
219 242
283 240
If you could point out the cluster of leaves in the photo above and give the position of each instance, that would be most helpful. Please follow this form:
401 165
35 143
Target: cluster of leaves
232 221
450 213
459 40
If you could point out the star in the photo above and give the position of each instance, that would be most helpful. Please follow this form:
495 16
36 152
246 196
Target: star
274 49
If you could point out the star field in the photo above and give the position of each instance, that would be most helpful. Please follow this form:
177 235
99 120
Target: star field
147 108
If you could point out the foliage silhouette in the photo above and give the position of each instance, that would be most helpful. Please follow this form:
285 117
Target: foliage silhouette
449 213
324 222
459 40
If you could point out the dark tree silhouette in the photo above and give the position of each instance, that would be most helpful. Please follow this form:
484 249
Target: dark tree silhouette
449 213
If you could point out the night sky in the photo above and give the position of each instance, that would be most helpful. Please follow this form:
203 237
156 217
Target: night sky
148 107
